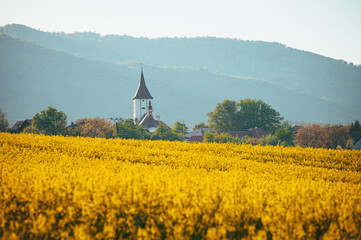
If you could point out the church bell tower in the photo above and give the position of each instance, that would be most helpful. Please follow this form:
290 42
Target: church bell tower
141 100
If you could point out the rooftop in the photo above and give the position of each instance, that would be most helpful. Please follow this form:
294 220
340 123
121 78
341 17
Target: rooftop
148 122
142 91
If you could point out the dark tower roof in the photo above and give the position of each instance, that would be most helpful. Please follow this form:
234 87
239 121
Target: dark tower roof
142 92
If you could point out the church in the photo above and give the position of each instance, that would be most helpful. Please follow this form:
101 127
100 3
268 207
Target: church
142 107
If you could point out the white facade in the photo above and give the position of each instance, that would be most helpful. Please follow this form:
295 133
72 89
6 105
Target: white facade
152 129
140 107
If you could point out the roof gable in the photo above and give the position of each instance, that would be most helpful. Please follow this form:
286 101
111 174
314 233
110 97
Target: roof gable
17 125
142 91
20 125
257 132
148 122
198 132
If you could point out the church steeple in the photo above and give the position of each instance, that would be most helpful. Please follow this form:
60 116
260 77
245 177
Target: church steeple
141 100
142 92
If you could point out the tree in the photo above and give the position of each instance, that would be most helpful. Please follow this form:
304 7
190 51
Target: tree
95 127
252 140
328 136
336 136
355 127
164 133
220 138
180 128
248 113
31 129
282 136
4 124
128 130
224 117
309 135
256 113
50 121
75 129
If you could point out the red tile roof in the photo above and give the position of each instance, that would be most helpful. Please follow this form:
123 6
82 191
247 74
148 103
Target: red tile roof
257 133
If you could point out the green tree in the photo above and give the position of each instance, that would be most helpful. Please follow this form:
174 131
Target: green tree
164 133
248 113
224 116
256 113
128 130
31 129
355 127
4 124
210 137
75 129
220 138
180 128
282 136
50 121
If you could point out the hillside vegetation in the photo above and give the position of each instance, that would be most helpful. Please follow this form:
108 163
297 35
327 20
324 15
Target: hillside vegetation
65 187
302 86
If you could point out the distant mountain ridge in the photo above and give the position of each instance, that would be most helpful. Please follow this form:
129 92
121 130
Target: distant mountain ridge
189 75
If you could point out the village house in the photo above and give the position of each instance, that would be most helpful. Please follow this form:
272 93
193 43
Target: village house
197 135
19 126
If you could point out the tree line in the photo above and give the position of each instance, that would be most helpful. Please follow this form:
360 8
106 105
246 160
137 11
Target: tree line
53 122
228 115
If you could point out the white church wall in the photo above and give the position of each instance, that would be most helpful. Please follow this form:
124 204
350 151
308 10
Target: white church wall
140 107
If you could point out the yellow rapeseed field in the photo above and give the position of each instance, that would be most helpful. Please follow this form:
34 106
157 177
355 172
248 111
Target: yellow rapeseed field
54 187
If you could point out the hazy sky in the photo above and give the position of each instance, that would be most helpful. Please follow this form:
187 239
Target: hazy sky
327 27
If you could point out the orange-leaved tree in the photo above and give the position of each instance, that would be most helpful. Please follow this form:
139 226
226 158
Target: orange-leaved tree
95 127
327 136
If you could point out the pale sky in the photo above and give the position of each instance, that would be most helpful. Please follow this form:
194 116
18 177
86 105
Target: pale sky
328 27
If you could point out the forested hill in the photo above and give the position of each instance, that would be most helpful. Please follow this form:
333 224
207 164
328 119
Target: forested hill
86 74
288 67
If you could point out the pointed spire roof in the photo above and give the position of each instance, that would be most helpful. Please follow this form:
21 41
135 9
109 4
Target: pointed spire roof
142 92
